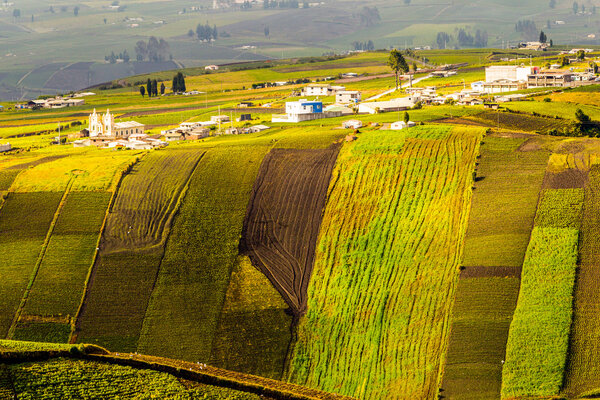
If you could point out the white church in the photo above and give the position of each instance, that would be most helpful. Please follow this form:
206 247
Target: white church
105 126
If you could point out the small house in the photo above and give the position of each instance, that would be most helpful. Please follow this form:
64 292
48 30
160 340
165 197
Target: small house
219 118
244 117
211 68
398 125
5 147
348 97
352 124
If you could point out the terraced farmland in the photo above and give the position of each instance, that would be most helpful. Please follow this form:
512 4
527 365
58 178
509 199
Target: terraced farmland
284 216
386 266
58 287
125 271
518 122
22 234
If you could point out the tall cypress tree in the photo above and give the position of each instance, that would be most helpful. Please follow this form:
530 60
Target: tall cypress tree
149 87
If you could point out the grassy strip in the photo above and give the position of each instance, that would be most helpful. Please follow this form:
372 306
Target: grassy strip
41 255
537 346
22 235
504 203
386 265
57 289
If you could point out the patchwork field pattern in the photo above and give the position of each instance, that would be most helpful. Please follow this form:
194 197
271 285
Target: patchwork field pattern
542 319
24 222
386 266
519 122
506 190
58 287
583 367
504 203
284 216
183 312
125 271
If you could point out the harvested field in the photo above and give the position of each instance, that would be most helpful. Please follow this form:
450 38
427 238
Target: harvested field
568 179
22 234
504 203
517 121
60 281
481 317
130 250
200 254
583 366
284 216
386 266
8 175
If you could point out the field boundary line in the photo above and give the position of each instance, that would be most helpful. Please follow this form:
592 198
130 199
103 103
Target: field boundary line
465 223
75 319
40 258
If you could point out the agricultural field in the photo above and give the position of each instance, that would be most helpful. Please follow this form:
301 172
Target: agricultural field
518 122
22 236
132 246
582 372
280 235
508 181
370 257
56 293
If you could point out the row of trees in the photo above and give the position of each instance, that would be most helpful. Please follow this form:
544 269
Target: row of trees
466 39
205 33
112 58
369 16
364 45
155 50
527 29
152 88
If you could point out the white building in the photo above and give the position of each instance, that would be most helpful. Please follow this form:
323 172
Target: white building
348 97
5 147
105 126
352 124
219 119
398 125
507 72
399 104
211 67
303 110
321 89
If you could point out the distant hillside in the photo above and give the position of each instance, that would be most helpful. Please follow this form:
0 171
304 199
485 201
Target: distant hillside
42 47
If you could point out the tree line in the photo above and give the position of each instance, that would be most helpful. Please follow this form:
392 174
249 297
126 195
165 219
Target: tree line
155 50
205 33
364 45
152 89
112 58
464 39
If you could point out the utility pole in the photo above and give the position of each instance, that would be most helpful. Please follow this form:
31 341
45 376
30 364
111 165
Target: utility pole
59 133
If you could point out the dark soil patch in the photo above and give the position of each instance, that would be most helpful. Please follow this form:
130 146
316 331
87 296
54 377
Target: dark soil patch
569 179
490 272
531 144
36 162
284 216
459 121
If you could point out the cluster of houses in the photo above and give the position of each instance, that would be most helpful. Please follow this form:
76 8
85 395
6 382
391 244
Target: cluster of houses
103 131
55 102
202 129
507 78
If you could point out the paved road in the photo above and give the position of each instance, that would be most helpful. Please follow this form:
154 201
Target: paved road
405 85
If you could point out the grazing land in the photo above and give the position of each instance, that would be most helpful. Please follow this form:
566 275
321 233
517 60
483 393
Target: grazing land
284 216
392 229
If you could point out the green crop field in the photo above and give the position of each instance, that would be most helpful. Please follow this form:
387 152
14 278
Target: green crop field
58 287
22 234
360 336
504 204
200 255
136 229
543 316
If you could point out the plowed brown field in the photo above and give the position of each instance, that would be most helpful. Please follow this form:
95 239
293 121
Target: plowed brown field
283 218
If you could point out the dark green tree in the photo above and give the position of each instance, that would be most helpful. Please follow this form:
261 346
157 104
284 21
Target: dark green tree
142 90
406 117
162 88
397 63
149 87
76 10
154 88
